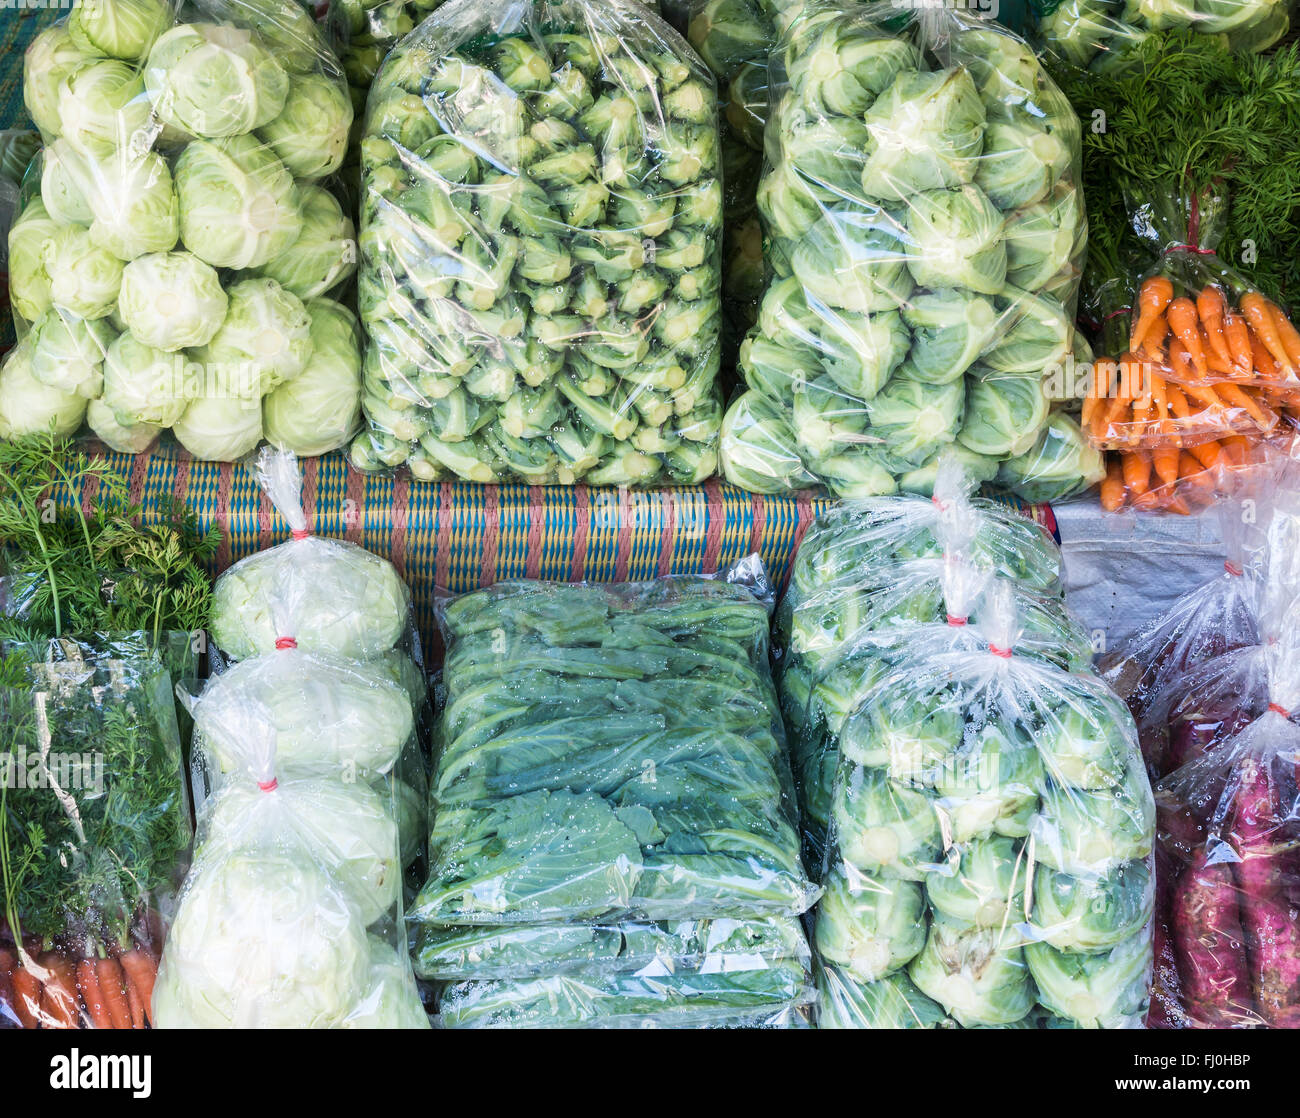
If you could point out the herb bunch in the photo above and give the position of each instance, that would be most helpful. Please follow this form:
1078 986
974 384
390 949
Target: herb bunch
1189 116
82 866
70 572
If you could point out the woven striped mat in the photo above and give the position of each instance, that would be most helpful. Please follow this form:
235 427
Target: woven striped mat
457 536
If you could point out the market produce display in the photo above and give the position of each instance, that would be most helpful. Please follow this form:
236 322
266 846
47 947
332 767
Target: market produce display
926 234
96 615
611 756
1101 35
291 915
172 270
541 233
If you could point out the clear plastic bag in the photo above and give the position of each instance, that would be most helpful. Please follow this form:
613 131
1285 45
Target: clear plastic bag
1100 34
872 576
95 822
641 716
869 567
176 262
292 915
1228 827
766 996
720 945
541 238
735 37
926 235
311 593
609 757
1224 334
1204 624
854 537
991 833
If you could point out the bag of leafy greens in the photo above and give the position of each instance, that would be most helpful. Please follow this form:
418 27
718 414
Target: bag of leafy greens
990 841
716 972
925 234
640 716
614 836
94 831
541 227
176 264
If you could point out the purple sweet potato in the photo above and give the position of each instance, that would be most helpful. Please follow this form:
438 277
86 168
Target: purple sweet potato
1265 874
1208 944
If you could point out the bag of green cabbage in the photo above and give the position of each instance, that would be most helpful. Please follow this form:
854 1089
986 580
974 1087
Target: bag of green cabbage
991 830
541 230
925 232
311 786
176 264
1099 34
872 576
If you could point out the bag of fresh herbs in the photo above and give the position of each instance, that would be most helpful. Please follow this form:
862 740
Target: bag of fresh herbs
97 618
94 827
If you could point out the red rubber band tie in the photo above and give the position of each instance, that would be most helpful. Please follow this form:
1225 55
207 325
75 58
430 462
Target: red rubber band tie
1005 653
1233 568
955 621
1193 228
268 785
1278 708
281 643
300 533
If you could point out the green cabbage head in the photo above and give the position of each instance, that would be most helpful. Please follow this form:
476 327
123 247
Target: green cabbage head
320 409
335 597
27 406
239 206
68 352
310 135
305 967
124 29
172 300
214 80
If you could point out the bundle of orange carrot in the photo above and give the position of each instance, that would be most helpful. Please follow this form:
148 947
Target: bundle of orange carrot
51 989
1200 385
